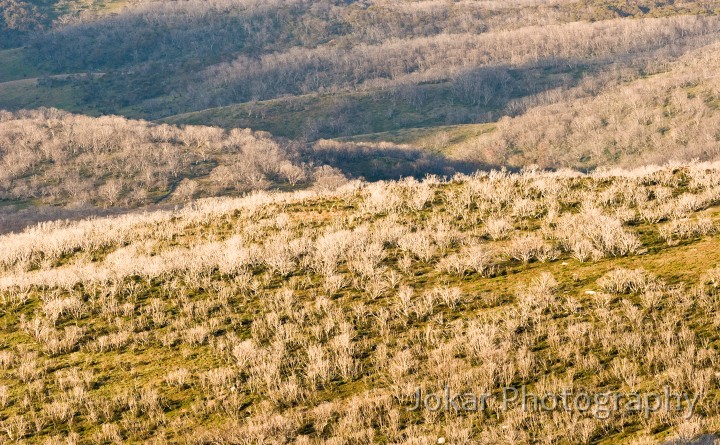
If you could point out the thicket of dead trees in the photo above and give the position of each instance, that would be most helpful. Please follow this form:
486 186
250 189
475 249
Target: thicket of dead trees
56 158
61 158
164 58
674 114
446 57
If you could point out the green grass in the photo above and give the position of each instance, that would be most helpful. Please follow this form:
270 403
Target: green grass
14 65
103 6
17 204
442 138
317 116
26 94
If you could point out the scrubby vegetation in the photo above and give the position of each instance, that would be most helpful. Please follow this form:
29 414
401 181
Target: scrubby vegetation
673 114
274 222
313 316
56 158
576 84
323 69
20 20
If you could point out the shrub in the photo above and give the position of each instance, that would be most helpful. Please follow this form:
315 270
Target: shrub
474 258
682 229
531 246
419 244
498 228
577 232
622 281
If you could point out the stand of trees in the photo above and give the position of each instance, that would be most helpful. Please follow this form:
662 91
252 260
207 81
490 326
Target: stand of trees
164 58
446 57
17 20
59 158
62 158
672 115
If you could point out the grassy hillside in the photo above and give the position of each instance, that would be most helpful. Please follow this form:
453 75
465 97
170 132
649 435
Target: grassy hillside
275 222
14 65
311 70
672 114
325 116
313 317
54 91
437 138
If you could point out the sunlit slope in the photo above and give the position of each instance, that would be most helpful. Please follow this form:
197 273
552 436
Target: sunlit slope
313 317
674 114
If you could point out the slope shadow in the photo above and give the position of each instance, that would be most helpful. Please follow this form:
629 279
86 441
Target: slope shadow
383 161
